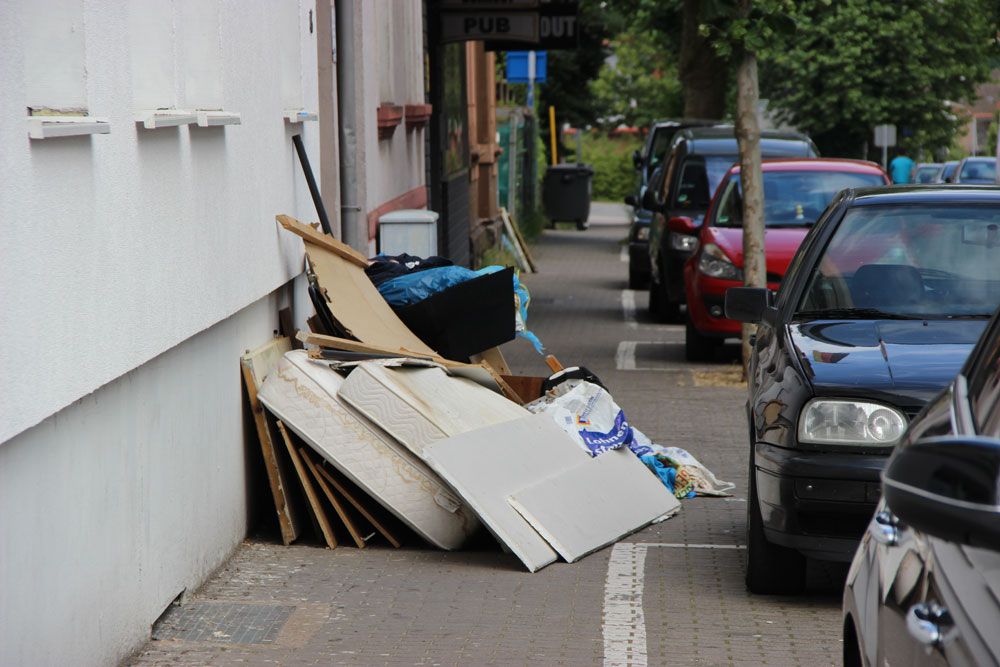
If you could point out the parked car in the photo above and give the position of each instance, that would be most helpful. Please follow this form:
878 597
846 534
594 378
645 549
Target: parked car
646 160
698 159
926 172
975 170
878 310
924 585
947 173
796 191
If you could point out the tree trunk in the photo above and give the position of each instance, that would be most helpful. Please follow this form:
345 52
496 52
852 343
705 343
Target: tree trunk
704 76
751 179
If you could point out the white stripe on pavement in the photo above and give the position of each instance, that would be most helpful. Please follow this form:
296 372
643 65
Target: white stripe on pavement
628 308
623 255
624 626
625 355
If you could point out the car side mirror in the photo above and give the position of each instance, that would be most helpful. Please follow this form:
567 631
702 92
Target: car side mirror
947 487
637 159
632 201
750 304
683 225
648 198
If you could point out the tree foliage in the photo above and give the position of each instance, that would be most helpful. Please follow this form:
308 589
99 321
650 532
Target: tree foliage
853 64
640 86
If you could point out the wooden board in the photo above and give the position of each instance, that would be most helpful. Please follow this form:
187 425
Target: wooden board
494 358
256 366
520 247
314 502
318 238
334 500
354 499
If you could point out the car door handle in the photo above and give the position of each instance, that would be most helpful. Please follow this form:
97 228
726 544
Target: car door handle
884 529
930 624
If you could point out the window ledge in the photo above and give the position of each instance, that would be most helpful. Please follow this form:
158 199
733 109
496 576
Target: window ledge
214 118
48 127
299 115
152 119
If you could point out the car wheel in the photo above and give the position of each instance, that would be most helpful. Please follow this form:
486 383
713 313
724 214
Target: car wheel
852 648
771 569
696 346
637 280
582 224
655 299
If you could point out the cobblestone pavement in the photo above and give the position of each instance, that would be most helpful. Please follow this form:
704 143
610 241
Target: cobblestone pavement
671 594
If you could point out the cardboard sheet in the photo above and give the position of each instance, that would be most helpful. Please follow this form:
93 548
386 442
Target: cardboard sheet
594 503
354 301
487 465
421 405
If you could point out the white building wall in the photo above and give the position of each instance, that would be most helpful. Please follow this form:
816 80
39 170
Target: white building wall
135 268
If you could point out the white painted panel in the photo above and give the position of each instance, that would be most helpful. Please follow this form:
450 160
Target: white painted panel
487 465
199 47
54 54
289 54
151 40
594 503
419 406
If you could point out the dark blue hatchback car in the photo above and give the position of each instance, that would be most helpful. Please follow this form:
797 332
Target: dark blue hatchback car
880 307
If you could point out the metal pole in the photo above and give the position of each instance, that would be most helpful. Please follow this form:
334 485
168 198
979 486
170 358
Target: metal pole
552 133
313 190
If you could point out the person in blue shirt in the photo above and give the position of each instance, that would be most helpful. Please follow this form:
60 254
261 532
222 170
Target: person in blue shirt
901 169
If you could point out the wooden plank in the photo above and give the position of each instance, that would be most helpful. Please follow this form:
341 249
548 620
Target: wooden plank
288 328
359 506
323 240
522 261
324 523
528 388
553 363
494 358
256 365
516 240
328 492
337 343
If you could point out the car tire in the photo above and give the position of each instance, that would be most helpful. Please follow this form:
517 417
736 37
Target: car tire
696 346
582 224
637 280
655 299
771 569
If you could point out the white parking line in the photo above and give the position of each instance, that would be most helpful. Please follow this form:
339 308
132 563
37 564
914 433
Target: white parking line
628 308
624 626
623 255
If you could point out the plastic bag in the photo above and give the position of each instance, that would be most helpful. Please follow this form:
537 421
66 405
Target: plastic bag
587 412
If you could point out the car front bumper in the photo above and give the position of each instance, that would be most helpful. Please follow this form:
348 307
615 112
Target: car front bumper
818 502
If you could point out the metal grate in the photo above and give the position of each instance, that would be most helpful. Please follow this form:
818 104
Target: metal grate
229 623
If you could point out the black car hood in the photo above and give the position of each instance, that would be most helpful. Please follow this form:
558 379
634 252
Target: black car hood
911 360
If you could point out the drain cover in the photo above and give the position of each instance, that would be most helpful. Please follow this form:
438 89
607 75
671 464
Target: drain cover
229 623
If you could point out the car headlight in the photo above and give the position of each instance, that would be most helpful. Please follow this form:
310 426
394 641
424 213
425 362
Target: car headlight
682 242
847 422
715 264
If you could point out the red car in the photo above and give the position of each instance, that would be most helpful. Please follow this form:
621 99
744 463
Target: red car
796 191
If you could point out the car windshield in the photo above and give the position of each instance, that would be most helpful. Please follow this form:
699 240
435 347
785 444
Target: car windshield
791 198
927 174
658 150
915 260
982 170
699 178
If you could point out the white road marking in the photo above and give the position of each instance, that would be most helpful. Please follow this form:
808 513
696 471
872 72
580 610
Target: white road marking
624 626
625 355
628 308
623 255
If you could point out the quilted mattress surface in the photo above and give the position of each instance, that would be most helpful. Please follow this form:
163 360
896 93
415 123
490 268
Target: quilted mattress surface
303 394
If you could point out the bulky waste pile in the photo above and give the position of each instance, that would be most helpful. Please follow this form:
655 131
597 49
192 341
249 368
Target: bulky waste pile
369 428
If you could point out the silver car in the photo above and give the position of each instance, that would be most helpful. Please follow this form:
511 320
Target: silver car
924 585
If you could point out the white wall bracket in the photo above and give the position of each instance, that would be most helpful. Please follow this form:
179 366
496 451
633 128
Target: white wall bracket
152 119
212 118
47 127
300 115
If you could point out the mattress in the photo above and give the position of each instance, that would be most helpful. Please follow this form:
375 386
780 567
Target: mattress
303 394
419 405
